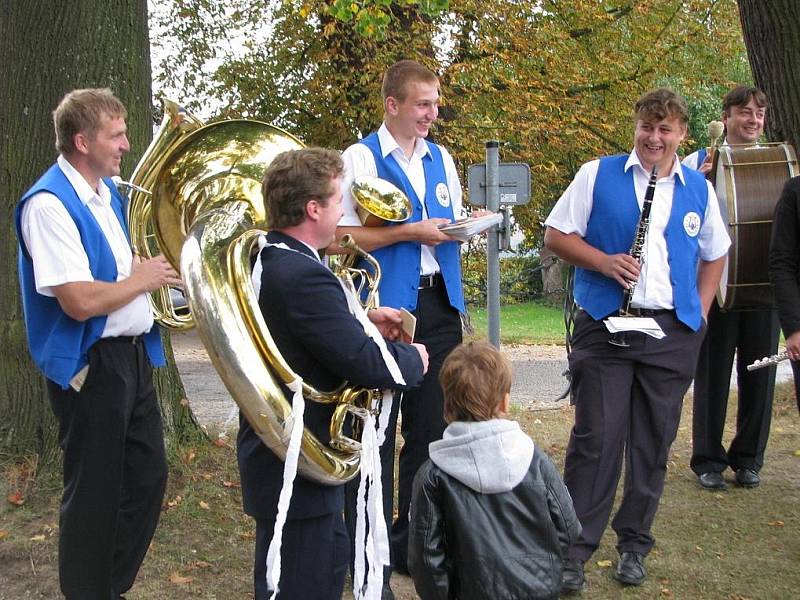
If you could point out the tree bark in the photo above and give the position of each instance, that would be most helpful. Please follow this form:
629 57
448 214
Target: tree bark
46 51
772 37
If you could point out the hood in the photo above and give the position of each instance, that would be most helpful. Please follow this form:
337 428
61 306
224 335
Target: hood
488 456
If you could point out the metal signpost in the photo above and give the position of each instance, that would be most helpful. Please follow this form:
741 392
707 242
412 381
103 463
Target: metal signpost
497 186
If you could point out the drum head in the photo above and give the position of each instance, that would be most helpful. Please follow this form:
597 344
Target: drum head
748 183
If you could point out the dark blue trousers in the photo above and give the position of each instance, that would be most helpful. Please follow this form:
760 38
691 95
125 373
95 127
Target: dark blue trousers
627 406
314 558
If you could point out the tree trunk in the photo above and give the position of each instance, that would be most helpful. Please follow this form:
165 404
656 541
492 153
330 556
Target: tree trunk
772 37
45 51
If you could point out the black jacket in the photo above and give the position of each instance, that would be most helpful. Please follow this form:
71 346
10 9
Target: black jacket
306 311
467 545
784 257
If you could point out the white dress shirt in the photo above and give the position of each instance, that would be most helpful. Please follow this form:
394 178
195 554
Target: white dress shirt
358 160
54 243
654 290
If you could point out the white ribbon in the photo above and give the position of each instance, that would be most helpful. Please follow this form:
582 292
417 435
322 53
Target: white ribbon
289 473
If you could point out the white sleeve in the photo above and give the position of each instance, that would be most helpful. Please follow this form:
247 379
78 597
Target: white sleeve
453 184
713 239
691 160
572 211
54 243
358 160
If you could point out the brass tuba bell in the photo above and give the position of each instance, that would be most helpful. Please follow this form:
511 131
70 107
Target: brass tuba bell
204 214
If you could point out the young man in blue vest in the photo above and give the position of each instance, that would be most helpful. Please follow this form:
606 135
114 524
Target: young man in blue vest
91 333
420 265
628 399
750 335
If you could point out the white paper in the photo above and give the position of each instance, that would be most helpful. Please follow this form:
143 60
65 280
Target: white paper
465 228
646 325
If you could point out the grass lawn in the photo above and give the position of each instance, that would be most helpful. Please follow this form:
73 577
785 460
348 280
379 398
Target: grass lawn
527 323
735 545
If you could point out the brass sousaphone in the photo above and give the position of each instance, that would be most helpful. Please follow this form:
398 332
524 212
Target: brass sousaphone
204 214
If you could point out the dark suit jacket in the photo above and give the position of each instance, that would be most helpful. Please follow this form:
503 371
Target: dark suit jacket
784 257
306 311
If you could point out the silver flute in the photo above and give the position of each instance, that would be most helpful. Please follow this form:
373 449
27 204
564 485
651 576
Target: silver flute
769 360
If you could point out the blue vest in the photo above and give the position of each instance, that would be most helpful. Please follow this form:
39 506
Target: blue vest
58 343
701 156
611 228
400 262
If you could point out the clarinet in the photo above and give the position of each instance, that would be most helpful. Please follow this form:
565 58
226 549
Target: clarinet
768 361
637 251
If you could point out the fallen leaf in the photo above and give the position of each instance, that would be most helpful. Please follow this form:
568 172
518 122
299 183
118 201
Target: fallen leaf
190 456
220 443
3 534
204 505
174 502
604 563
16 498
184 402
797 452
230 484
777 523
38 538
179 579
201 564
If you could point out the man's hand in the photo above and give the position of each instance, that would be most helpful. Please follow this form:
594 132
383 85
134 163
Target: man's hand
482 212
153 273
622 268
423 354
427 231
388 321
706 166
793 346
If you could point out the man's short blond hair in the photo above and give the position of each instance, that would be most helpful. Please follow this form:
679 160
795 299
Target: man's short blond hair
82 111
400 74
475 377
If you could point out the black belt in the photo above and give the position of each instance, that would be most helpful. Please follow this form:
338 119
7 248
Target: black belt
124 339
429 281
648 312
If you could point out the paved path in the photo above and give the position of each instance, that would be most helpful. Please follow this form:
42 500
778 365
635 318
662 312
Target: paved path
538 379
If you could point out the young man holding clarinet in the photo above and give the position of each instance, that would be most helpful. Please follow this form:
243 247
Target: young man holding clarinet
628 397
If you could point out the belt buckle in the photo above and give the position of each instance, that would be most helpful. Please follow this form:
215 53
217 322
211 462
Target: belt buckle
427 281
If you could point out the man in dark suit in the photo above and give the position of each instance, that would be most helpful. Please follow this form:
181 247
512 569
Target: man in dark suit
306 310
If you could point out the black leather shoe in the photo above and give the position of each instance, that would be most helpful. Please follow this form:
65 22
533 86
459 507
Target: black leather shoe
747 478
572 578
712 480
630 568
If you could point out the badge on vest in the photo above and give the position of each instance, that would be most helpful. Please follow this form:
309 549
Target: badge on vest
443 194
691 224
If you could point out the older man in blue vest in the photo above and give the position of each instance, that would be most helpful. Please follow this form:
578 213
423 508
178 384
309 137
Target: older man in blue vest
420 264
628 399
91 333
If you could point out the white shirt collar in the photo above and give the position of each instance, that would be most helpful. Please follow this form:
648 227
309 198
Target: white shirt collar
389 144
85 192
633 159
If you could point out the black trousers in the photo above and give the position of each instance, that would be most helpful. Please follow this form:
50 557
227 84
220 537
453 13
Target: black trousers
115 471
439 328
752 335
796 374
627 403
315 554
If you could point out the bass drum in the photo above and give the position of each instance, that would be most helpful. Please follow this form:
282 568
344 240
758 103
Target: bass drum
748 181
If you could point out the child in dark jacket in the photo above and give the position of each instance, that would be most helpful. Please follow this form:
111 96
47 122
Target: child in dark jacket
490 516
